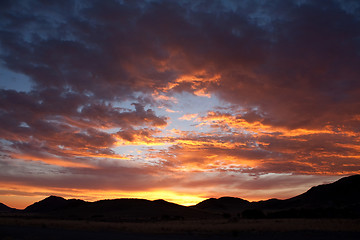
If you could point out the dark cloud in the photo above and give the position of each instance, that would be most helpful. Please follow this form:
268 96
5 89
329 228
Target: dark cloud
295 62
308 78
112 178
289 69
51 122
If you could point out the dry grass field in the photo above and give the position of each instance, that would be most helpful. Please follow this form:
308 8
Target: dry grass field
198 226
20 228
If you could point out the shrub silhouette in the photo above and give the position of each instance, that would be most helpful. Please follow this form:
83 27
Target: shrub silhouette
253 214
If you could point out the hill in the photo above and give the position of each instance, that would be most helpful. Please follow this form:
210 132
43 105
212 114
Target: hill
343 192
114 210
6 209
53 203
223 205
338 199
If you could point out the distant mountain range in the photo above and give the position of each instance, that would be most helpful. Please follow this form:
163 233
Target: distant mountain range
338 199
114 210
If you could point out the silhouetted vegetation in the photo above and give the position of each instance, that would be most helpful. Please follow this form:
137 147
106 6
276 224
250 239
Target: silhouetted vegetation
253 214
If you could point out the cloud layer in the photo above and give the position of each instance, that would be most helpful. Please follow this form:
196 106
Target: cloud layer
284 73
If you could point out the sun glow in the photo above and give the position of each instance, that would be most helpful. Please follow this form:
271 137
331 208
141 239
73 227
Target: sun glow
185 199
12 199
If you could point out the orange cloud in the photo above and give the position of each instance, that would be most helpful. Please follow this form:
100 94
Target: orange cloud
188 117
53 161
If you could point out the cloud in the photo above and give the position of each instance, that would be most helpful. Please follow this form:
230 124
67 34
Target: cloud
253 147
294 62
49 124
100 70
188 117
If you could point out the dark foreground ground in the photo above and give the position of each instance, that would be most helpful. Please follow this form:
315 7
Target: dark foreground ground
294 229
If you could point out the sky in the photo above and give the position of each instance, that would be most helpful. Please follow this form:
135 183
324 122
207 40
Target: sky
177 100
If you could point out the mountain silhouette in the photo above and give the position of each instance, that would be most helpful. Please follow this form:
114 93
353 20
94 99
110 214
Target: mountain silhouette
6 209
338 199
343 192
223 204
114 210
53 203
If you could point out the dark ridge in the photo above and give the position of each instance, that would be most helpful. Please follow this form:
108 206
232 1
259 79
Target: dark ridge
53 203
141 209
222 205
161 202
338 199
345 191
114 210
6 209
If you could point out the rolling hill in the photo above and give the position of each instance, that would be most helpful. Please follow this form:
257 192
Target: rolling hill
6 209
344 192
114 210
53 203
338 199
223 205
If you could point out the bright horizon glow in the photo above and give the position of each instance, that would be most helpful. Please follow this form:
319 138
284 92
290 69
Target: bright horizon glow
179 197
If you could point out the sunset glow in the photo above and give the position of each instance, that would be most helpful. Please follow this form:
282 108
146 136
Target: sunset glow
177 100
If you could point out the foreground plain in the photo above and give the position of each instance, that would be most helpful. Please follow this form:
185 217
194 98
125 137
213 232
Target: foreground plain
20 228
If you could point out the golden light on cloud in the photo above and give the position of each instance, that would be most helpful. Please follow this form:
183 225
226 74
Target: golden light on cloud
188 117
85 153
160 97
54 161
198 80
143 141
237 122
202 93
